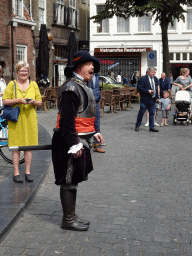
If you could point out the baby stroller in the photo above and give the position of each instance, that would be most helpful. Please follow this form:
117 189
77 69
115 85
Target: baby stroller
183 107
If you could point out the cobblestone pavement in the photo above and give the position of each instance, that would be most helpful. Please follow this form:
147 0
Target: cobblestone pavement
138 198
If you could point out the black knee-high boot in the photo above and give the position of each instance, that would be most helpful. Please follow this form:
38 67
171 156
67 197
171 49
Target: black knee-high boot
85 222
69 218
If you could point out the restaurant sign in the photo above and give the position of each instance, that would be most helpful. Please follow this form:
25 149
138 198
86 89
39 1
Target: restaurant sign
121 50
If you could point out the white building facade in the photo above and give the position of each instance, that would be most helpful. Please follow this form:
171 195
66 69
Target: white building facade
128 43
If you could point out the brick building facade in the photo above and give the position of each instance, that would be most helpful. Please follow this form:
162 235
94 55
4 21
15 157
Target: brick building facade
20 24
15 38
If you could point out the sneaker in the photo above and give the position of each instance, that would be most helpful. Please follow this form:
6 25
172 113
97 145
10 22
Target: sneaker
162 125
166 124
156 124
147 124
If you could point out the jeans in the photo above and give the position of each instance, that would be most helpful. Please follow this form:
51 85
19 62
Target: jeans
143 107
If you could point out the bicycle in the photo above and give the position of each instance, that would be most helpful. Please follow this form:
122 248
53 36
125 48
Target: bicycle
4 150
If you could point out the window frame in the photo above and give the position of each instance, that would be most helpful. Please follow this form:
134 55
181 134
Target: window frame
123 20
100 24
14 3
43 10
174 28
61 11
72 9
187 13
23 47
138 20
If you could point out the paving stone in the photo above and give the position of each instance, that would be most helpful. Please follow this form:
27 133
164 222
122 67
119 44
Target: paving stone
137 198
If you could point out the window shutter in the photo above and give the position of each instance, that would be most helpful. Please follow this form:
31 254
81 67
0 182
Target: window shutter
69 16
77 18
55 12
66 16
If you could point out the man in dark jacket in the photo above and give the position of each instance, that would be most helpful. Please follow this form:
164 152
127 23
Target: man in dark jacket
164 84
96 91
134 79
148 89
73 135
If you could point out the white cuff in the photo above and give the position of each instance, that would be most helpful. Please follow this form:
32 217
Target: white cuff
96 134
75 148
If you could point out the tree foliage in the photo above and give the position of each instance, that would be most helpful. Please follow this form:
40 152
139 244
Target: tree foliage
163 11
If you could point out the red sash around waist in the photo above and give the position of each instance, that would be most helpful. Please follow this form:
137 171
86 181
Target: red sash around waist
82 124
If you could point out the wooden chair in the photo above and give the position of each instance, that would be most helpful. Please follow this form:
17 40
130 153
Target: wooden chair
134 94
118 97
109 100
52 96
44 97
127 95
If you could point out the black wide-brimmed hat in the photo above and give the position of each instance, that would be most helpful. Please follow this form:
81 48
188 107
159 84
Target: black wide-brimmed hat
82 57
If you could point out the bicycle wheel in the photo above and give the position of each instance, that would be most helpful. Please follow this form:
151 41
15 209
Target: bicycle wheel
7 155
4 150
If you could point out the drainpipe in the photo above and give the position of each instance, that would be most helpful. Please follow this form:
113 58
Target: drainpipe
30 9
12 47
86 22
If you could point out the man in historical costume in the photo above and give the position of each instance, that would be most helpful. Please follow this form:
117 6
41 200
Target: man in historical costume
74 134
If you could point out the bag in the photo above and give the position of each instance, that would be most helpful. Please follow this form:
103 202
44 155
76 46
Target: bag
10 113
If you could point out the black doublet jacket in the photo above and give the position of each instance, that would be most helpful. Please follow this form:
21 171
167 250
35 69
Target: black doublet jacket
65 137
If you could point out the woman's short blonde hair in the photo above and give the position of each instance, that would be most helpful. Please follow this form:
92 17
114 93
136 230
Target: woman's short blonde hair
20 65
183 71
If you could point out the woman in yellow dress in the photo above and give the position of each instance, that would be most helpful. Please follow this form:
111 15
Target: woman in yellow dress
25 131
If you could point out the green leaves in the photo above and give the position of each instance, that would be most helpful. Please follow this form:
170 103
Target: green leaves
166 9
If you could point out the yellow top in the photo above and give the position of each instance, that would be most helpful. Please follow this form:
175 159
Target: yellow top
25 131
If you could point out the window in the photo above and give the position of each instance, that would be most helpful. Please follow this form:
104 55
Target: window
21 53
144 24
185 56
122 25
42 6
61 9
61 76
18 7
102 26
170 27
72 3
171 56
72 12
178 57
61 51
189 17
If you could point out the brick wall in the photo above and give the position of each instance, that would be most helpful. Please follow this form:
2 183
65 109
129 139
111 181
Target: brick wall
22 34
